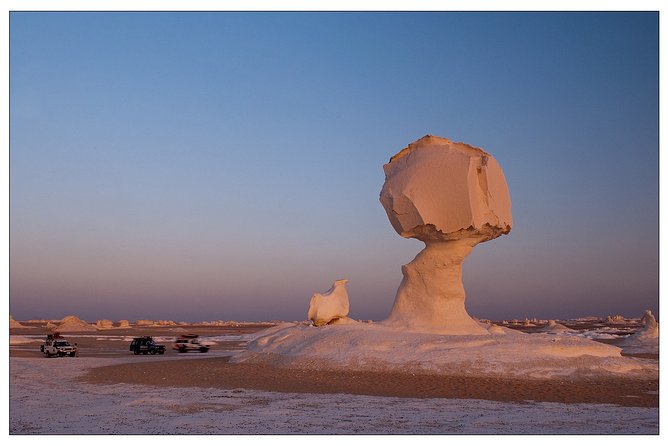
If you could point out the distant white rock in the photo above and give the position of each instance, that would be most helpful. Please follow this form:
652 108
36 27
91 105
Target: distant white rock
123 323
72 324
616 319
528 323
554 327
330 306
645 340
14 324
103 324
165 323
144 322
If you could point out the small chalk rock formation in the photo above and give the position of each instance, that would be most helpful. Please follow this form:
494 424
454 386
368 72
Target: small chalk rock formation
645 340
616 319
553 326
102 324
331 306
144 322
451 196
528 323
124 323
14 324
73 323
650 328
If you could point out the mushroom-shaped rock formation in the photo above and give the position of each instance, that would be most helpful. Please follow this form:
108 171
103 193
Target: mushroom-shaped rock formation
451 196
331 306
124 323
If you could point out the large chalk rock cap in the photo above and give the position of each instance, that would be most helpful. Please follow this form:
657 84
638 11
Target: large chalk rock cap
437 189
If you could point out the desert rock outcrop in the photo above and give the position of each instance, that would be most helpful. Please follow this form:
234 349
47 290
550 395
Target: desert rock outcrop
451 196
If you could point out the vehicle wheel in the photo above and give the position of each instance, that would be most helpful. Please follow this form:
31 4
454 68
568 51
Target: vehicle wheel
136 352
182 350
145 352
72 354
203 349
48 354
161 352
153 352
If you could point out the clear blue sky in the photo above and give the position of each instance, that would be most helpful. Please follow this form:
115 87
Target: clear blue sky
200 166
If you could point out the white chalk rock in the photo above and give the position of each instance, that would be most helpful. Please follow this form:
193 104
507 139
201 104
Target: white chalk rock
451 196
144 322
124 323
553 326
616 319
645 340
73 323
14 324
436 189
328 307
102 324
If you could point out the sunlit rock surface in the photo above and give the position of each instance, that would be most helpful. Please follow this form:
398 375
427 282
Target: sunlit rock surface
330 306
645 340
451 196
73 323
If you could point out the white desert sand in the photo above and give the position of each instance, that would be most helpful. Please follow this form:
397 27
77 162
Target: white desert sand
500 352
118 408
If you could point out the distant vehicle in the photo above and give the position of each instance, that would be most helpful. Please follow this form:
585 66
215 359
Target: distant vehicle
188 343
146 345
55 345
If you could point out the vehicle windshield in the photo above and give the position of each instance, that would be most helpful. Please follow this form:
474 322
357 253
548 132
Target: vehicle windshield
62 344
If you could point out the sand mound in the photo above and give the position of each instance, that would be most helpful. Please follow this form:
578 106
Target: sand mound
14 324
73 323
502 352
554 327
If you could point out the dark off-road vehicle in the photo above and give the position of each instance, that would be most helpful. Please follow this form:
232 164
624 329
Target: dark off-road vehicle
146 345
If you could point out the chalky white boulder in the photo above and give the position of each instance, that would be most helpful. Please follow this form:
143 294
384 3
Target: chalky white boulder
331 306
451 196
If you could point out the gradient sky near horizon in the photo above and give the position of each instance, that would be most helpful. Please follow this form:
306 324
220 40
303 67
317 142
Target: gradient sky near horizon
205 166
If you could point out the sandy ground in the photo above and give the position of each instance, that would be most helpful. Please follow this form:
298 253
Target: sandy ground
107 390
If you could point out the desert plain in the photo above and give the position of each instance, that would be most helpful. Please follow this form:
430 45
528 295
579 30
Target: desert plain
107 389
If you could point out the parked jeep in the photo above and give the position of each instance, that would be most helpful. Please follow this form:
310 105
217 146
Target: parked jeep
55 345
146 345
189 343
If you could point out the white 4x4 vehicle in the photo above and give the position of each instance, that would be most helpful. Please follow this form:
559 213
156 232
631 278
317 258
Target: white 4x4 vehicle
189 343
57 346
